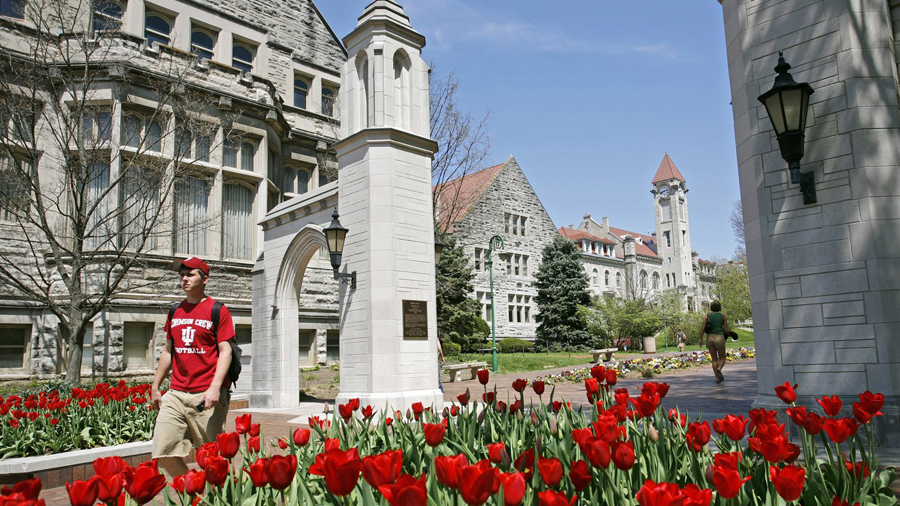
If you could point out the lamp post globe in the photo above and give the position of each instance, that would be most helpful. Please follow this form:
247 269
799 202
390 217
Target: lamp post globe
335 235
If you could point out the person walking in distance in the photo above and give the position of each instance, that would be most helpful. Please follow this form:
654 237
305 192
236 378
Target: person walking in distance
715 326
680 339
198 353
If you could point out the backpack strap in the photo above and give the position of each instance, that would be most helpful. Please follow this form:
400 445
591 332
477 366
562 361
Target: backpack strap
216 310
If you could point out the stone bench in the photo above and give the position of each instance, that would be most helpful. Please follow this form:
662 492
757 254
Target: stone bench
454 369
606 351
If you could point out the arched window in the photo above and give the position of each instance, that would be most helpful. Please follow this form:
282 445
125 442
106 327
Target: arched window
328 100
595 278
242 58
107 15
656 281
202 43
301 92
606 277
643 280
157 29
296 180
302 181
619 280
237 223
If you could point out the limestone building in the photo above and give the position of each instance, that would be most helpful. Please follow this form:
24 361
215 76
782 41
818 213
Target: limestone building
641 266
270 83
824 279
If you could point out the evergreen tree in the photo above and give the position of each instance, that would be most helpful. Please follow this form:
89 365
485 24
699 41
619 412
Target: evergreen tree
562 286
457 314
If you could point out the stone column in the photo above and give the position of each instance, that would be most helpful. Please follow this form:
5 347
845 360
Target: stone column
385 202
825 277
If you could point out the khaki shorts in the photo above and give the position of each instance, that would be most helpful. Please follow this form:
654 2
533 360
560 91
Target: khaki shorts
715 341
180 426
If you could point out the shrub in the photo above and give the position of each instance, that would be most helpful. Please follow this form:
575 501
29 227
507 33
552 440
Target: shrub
514 345
451 349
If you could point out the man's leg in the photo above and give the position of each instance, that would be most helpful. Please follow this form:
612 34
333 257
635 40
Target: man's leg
175 466
170 445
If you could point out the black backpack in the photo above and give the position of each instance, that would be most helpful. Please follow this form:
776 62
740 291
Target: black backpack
234 369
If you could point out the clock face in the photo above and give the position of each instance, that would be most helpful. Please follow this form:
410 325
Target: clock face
664 191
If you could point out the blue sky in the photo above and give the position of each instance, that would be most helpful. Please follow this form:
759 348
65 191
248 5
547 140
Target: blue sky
589 95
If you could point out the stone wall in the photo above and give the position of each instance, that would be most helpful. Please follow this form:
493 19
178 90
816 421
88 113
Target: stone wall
823 277
509 193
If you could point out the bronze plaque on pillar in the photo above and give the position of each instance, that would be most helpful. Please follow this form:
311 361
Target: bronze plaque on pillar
415 319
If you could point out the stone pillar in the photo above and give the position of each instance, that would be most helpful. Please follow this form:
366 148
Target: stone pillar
385 202
824 277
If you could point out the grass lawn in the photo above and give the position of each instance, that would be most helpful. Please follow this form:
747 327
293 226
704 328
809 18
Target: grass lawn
517 362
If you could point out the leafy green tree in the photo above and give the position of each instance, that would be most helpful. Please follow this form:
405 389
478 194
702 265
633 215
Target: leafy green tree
732 290
670 309
615 320
562 286
457 316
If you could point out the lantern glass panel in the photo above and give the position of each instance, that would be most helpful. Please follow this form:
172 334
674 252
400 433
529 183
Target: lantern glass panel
804 109
793 102
335 240
773 107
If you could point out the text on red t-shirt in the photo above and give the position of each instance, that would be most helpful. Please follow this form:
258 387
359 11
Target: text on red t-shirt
195 350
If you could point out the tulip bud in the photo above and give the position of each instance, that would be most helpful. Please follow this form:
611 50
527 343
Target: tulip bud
481 416
327 408
408 414
554 427
709 473
653 433
446 412
534 419
538 445
519 415
505 461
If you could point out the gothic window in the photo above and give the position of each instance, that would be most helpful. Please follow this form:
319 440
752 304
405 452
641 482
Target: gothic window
296 180
618 280
237 220
143 131
301 92
519 308
202 43
329 97
606 278
139 198
643 280
656 281
157 29
668 237
191 215
479 253
15 189
595 277
242 57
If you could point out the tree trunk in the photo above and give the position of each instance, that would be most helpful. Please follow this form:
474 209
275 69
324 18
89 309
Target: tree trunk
76 344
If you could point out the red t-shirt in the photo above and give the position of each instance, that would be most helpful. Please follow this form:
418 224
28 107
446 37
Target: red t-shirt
195 350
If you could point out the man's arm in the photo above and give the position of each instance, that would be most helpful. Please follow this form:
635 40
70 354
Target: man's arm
211 396
162 370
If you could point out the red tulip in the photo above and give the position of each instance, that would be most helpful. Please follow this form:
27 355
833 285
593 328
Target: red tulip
728 460
513 488
592 388
407 491
653 387
525 463
597 452
860 469
341 471
205 452
786 392
695 496
735 426
659 494
478 482
464 398
774 449
354 403
331 444
837 501
551 471
145 482
216 471
598 372
519 385
258 473
301 437
83 493
483 376
788 481
698 435
367 411
580 475
242 423
832 405
646 404
434 433
254 430
346 411
554 498
229 444
281 471
447 469
623 455
798 415
109 487
872 403
611 377
538 387
840 430
108 466
728 481
253 444
382 469
283 444
194 482
495 452
25 490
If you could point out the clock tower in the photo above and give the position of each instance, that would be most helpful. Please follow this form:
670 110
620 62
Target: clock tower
673 233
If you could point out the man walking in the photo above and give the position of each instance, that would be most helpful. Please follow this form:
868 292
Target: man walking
197 351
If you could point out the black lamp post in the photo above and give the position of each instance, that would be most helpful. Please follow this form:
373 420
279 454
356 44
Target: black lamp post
787 104
335 235
438 248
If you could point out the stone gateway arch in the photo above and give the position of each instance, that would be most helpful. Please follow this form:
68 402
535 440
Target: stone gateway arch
383 195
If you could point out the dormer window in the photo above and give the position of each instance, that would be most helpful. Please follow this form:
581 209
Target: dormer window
202 43
242 57
157 29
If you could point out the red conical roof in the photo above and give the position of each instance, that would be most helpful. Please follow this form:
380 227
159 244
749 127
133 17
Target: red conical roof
667 170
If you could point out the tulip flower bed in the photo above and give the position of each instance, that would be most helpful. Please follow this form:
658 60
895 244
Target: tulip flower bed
648 366
626 452
50 422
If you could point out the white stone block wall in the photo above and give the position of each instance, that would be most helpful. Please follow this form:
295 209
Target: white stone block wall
824 278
